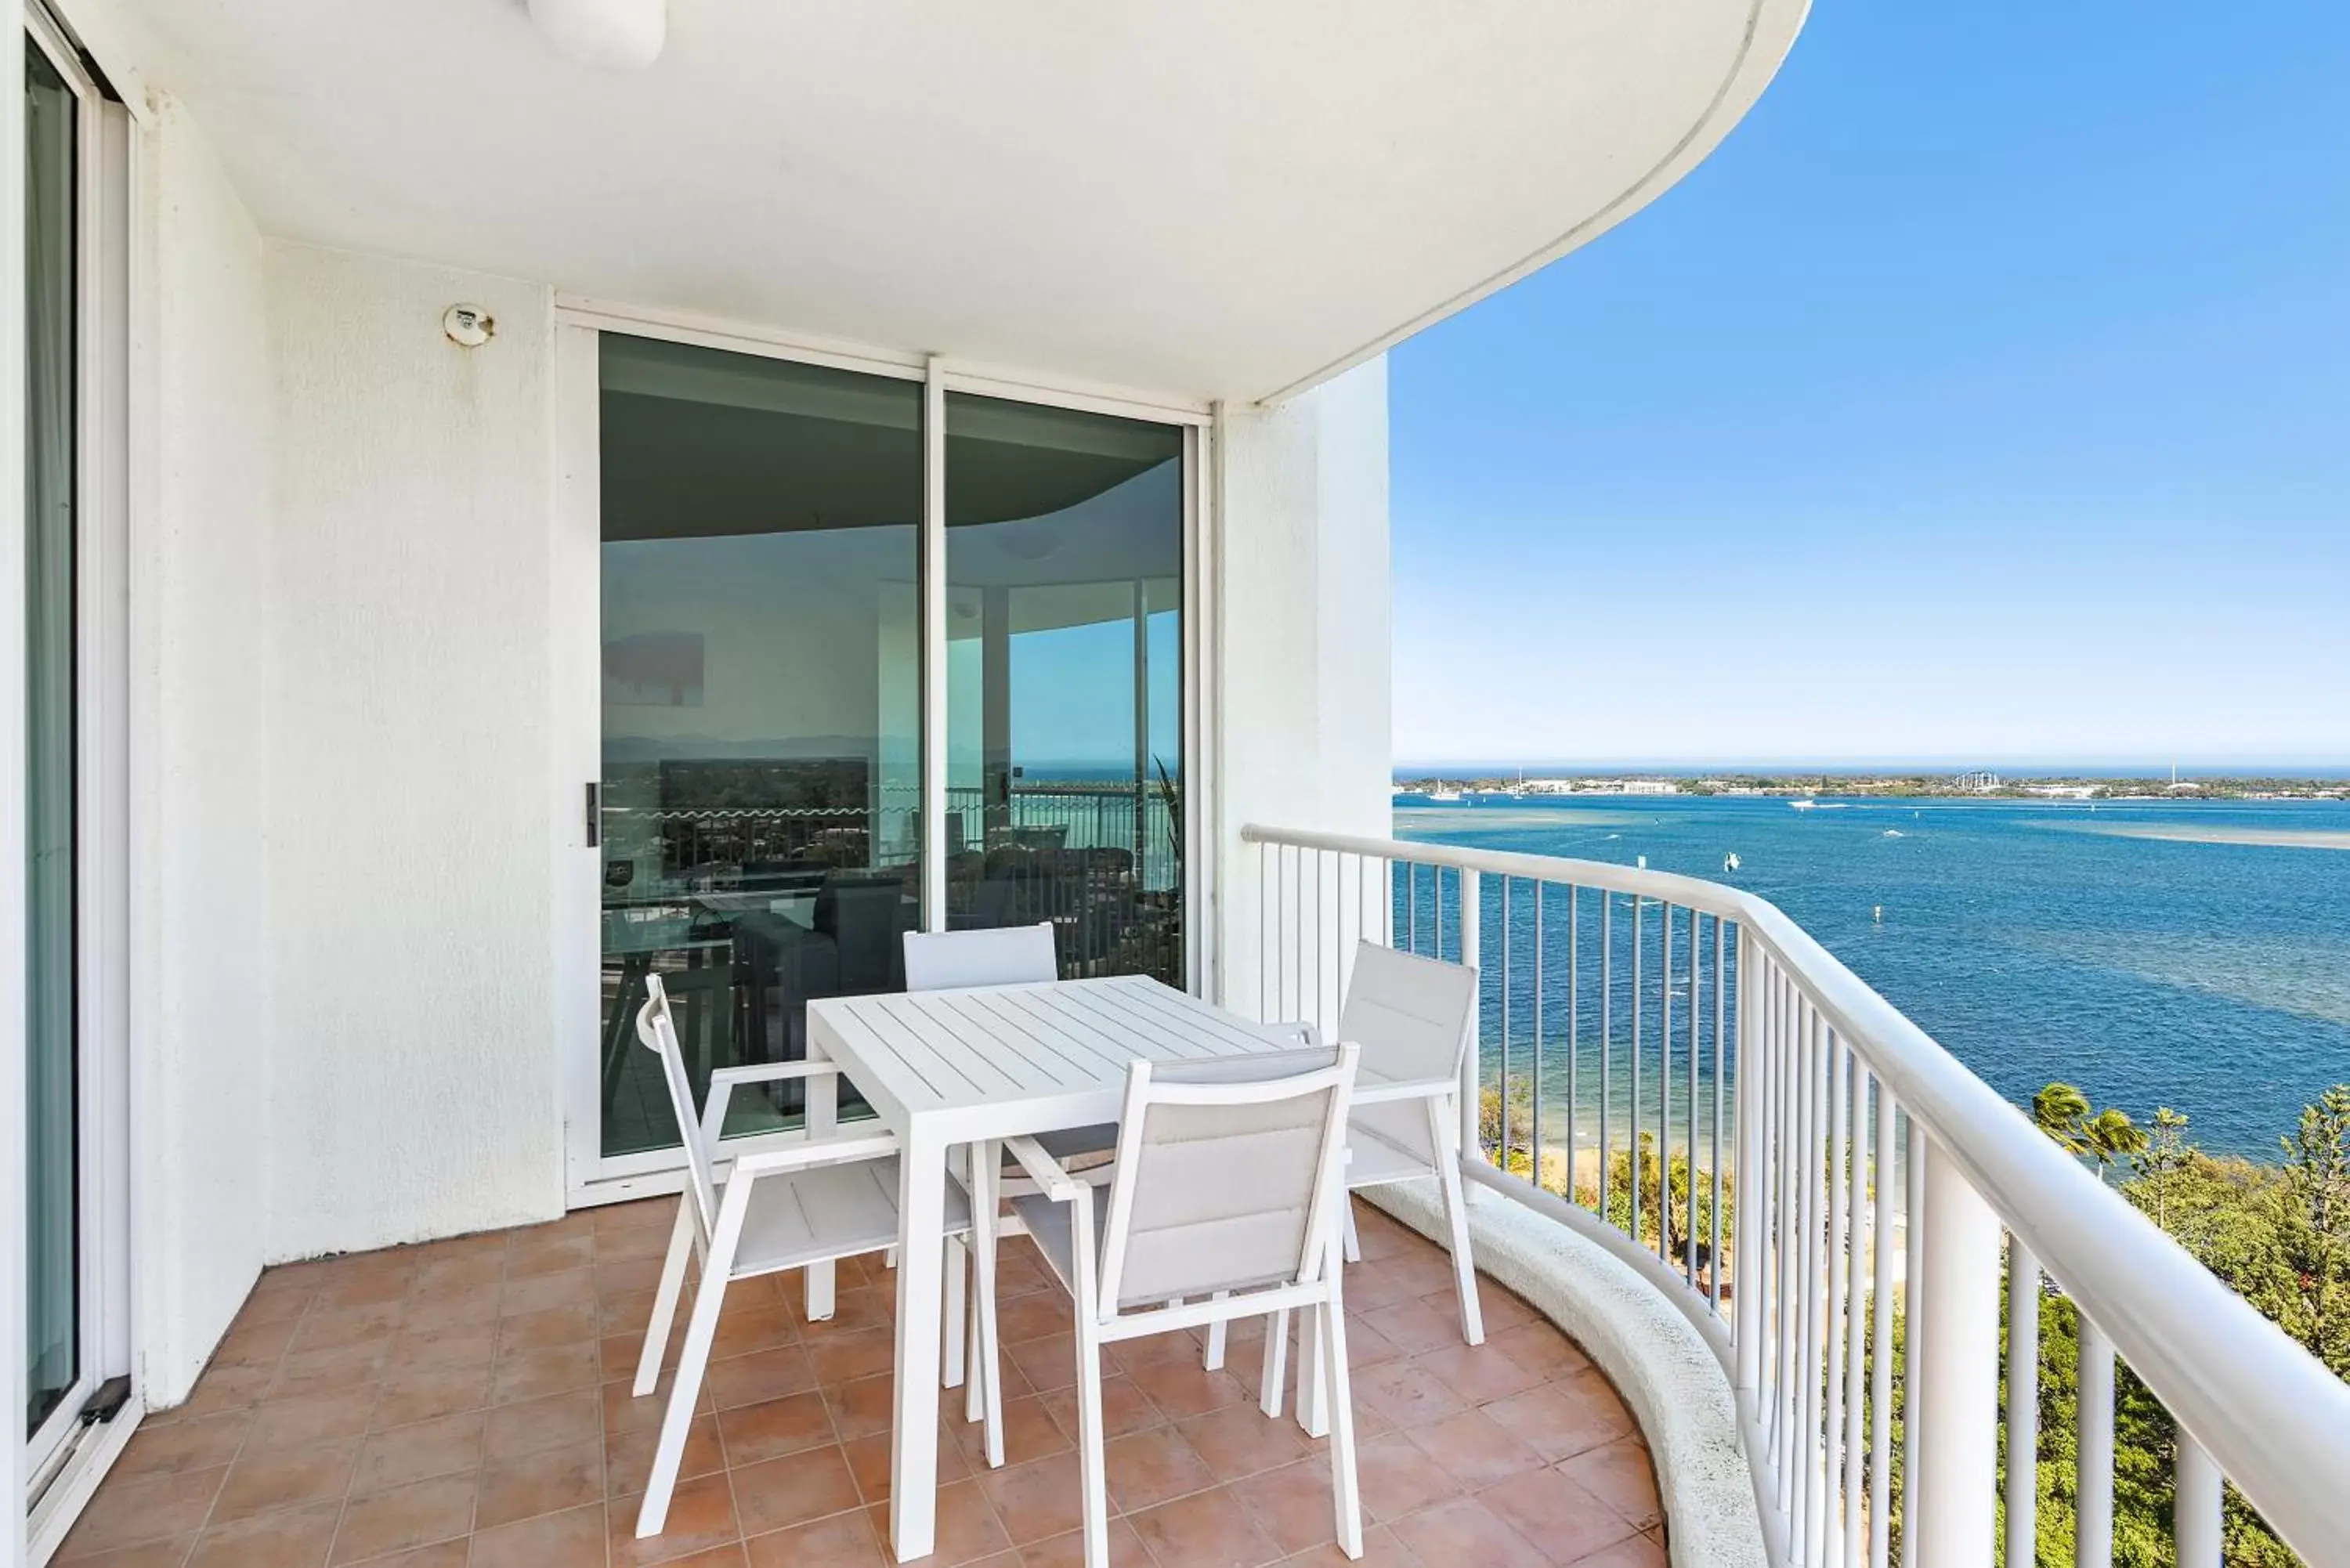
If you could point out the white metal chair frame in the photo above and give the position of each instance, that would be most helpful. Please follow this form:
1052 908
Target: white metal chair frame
1316 1284
1377 1157
712 1213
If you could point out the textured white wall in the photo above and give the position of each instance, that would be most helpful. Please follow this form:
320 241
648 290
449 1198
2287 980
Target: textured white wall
412 1007
201 796
1303 671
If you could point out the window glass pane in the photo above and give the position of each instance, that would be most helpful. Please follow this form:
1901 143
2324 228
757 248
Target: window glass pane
761 683
52 1217
1065 617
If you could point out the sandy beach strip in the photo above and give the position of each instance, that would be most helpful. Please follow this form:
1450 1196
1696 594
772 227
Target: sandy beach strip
2269 837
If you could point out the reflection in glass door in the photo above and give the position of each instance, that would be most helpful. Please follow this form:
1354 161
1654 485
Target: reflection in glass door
53 1183
1065 701
761 671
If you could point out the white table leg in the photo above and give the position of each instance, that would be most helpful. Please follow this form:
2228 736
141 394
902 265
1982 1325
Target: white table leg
921 1243
822 1118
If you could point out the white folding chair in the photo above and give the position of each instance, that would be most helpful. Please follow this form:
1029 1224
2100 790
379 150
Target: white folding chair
1224 1204
1411 1015
777 1208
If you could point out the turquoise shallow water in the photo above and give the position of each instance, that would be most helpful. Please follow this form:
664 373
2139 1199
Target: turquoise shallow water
2035 940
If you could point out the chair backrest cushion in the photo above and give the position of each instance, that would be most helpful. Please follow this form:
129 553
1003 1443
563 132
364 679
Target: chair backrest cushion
1409 1014
1011 955
1226 1167
658 1031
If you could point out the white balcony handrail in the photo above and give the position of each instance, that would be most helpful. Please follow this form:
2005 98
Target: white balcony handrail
2271 1417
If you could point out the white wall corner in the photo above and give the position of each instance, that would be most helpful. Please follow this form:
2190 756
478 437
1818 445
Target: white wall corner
1304 678
203 583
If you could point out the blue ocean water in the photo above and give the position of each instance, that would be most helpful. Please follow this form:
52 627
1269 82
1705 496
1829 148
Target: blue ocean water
2035 939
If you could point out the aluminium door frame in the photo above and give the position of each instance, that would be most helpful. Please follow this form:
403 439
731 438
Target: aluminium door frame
591 1177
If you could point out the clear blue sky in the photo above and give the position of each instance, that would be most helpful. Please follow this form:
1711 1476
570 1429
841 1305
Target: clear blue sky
1986 397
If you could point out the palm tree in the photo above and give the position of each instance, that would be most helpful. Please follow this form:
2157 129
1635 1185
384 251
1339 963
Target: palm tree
2112 1135
2062 1112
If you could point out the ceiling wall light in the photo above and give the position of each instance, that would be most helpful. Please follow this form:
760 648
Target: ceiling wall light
617 35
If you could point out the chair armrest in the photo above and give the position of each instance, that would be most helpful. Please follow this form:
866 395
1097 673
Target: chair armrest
1046 1172
816 1151
768 1072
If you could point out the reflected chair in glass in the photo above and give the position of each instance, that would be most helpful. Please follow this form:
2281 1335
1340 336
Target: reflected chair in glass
1225 1204
765 1212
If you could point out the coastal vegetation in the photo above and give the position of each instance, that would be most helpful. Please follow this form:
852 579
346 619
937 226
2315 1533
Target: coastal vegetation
1899 785
2277 1232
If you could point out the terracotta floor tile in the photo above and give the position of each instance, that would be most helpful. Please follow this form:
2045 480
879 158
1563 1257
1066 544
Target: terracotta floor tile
629 1457
1152 1466
843 1540
1126 1550
445 1444
1241 1439
350 1415
298 1538
405 1518
573 1539
1206 1529
700 1516
1620 1474
1555 1423
275 1478
1465 1530
1294 1504
282 1423
548 1480
137 1509
1397 1478
1037 1500
1564 1519
205 1443
548 1423
1475 1449
794 1489
754 1433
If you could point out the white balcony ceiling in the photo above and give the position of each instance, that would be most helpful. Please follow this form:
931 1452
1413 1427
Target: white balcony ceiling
1230 198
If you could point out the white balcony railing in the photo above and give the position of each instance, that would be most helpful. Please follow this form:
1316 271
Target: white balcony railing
1818 1167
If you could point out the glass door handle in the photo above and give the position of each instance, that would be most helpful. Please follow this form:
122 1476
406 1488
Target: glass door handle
595 814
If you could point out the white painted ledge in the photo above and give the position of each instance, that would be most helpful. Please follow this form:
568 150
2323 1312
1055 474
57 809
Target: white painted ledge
1670 1380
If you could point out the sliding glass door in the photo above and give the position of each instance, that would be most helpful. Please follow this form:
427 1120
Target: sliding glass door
769 825
1065 704
52 1106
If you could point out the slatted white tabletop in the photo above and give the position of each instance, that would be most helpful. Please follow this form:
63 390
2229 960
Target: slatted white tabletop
948 1067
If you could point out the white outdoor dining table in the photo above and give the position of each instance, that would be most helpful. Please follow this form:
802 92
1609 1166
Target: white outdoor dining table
948 1067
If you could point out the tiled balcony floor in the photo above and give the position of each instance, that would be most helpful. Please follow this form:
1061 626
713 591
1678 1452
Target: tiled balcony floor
466 1403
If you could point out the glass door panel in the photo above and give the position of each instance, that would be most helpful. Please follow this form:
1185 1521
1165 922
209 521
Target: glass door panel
52 1187
761 708
1065 640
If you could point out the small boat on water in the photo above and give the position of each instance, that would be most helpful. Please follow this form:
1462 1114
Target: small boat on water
1442 795
1894 833
1730 862
1807 803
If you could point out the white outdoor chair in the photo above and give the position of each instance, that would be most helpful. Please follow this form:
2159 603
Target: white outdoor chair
1411 1015
1224 1204
1003 955
777 1208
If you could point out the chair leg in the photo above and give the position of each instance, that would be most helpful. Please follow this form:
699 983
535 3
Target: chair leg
1092 1475
665 1299
1277 1360
1456 1218
950 1319
986 1369
1313 1377
1344 1487
1214 1360
1354 1253
678 1420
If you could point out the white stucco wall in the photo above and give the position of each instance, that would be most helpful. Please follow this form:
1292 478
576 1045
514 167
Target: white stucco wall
412 1006
1302 673
201 788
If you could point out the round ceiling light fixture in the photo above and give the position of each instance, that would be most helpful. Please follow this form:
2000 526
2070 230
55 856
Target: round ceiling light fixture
615 35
